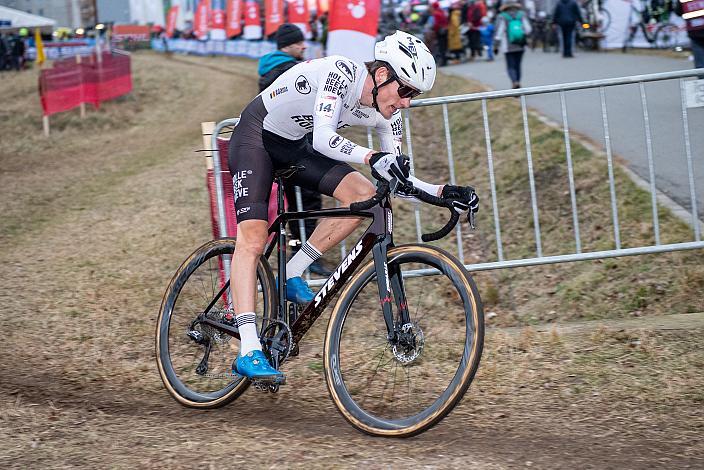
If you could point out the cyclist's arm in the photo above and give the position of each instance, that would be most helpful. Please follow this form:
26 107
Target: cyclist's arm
390 133
332 90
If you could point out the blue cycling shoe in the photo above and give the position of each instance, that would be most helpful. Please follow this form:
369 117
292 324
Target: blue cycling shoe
297 290
255 366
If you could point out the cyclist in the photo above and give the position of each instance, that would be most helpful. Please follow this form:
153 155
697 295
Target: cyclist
320 96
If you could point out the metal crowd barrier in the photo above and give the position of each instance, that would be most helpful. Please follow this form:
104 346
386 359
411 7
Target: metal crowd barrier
561 89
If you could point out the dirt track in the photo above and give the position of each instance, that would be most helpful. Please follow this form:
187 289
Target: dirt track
95 224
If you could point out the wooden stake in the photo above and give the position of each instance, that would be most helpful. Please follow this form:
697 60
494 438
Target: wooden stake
83 105
45 124
208 128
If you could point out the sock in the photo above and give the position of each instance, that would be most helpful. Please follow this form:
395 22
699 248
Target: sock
301 260
249 339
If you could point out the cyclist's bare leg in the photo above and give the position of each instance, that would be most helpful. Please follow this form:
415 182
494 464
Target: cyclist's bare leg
353 188
251 239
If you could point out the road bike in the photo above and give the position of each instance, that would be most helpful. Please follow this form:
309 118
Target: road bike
402 345
654 23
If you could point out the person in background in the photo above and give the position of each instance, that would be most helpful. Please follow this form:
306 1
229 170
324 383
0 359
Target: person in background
4 53
290 46
454 37
695 29
487 35
475 13
18 50
566 16
512 30
440 24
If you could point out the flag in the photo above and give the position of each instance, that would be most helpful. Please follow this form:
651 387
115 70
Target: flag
252 20
274 11
352 28
201 20
171 21
217 20
299 15
233 26
40 46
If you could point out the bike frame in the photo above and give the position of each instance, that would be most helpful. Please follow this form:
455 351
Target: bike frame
377 239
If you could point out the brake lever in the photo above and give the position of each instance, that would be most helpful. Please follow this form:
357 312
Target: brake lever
471 219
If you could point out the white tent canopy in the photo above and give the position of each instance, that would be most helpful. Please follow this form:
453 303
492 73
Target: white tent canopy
19 19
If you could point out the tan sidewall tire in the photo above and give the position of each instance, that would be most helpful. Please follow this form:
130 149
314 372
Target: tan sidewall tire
468 374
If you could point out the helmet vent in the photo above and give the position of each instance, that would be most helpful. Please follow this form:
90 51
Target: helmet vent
405 50
404 71
415 70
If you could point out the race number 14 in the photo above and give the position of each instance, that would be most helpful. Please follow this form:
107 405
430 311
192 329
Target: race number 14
694 93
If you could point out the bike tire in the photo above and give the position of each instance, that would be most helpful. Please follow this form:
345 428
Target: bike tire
666 36
457 300
176 368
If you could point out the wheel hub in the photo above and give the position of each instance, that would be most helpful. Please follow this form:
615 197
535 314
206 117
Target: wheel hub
409 344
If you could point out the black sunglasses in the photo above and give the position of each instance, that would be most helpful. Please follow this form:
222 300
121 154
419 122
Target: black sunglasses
405 91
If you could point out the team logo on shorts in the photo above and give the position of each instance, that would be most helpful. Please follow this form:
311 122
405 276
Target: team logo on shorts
345 69
302 85
336 140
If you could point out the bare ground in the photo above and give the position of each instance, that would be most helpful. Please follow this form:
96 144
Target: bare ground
97 218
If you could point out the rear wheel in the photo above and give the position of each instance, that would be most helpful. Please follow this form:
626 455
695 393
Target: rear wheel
403 386
195 360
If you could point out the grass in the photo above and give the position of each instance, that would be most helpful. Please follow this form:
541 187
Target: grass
96 219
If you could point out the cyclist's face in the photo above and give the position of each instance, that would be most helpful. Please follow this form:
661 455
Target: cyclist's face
388 98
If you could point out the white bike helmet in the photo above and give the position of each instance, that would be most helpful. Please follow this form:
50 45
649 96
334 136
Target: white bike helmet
409 58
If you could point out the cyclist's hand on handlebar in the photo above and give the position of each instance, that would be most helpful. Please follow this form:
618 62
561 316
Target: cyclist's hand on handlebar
463 199
387 166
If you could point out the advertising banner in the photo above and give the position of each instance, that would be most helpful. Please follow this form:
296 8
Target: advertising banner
233 26
352 28
217 20
274 11
299 15
201 21
130 31
171 21
252 20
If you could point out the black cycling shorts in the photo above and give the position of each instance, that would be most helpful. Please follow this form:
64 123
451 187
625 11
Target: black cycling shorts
255 153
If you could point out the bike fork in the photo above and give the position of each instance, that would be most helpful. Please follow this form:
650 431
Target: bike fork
391 291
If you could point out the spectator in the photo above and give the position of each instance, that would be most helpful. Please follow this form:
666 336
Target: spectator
4 53
487 35
566 16
475 13
512 29
440 24
695 31
454 37
291 45
17 51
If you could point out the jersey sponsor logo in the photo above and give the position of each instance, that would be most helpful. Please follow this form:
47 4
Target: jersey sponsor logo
343 67
305 121
302 85
277 92
335 84
359 114
336 140
397 127
353 254
347 148
244 210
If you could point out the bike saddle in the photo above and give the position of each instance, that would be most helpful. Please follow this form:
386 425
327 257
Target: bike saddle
288 171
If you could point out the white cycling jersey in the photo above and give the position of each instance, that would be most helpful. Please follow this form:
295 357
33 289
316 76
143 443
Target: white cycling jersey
329 89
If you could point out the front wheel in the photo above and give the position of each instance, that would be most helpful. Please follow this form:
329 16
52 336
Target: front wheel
402 384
